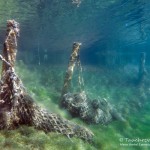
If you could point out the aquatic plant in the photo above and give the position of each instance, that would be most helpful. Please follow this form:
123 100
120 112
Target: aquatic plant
120 92
29 138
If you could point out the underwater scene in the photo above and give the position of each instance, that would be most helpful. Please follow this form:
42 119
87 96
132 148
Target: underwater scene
75 75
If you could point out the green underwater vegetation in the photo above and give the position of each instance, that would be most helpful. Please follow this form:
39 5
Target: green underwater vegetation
29 138
45 84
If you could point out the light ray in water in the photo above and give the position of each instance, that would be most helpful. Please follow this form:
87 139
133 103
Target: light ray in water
39 59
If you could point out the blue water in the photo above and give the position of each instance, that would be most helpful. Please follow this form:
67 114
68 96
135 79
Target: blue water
113 34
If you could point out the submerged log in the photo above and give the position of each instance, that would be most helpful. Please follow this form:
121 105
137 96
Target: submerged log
17 107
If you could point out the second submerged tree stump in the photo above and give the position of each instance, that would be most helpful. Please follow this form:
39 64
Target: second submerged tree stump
142 69
92 111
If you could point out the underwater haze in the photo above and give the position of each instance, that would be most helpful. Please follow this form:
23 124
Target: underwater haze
115 59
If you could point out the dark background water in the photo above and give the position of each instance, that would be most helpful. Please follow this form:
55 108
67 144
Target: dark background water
112 32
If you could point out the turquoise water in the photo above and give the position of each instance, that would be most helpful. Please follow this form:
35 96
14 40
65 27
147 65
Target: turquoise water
113 34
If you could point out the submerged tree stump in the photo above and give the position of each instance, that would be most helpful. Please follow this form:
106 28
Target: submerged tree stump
72 62
17 107
79 105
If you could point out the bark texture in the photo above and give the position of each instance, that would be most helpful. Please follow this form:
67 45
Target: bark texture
17 107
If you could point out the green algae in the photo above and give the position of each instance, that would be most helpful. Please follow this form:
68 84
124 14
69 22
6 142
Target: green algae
29 138
47 95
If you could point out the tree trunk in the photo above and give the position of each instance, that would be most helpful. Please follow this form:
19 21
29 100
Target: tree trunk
17 107
69 73
142 69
